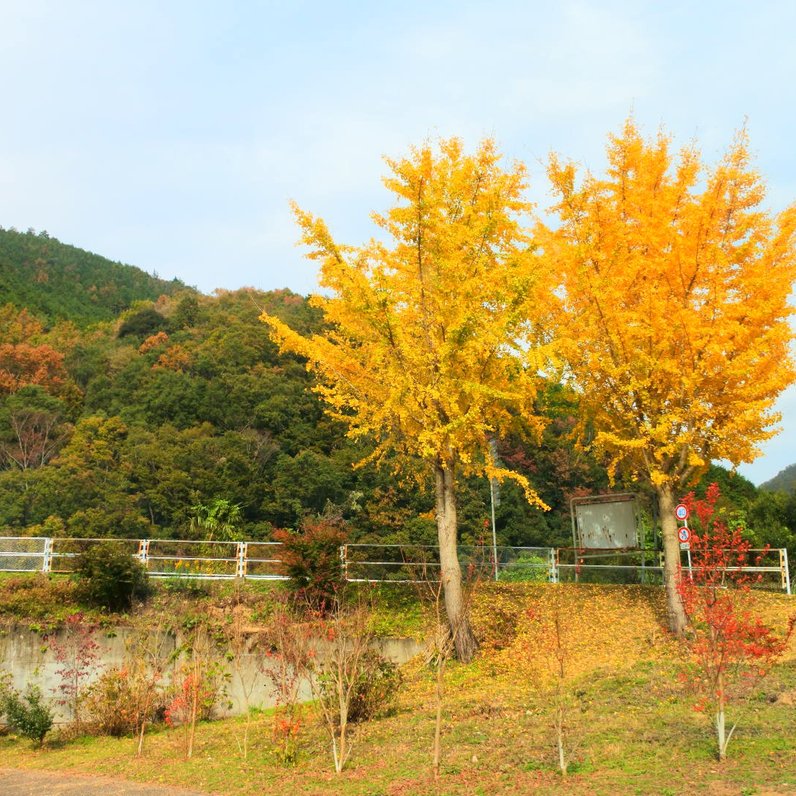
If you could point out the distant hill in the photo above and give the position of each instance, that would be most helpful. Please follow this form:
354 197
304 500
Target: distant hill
783 481
60 282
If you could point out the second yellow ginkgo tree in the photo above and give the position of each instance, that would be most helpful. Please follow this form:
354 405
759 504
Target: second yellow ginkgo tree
674 313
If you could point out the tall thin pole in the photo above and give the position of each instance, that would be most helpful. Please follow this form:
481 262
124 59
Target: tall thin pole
494 528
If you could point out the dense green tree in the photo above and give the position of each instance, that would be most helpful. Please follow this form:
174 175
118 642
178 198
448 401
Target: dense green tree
32 428
771 520
187 312
88 475
18 493
736 491
306 483
142 323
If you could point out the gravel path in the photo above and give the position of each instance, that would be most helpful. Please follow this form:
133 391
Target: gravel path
15 782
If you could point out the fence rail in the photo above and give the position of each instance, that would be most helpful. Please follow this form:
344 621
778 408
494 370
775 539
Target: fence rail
646 566
162 558
215 560
410 563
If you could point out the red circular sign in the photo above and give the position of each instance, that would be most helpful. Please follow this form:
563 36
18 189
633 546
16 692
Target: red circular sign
684 534
681 511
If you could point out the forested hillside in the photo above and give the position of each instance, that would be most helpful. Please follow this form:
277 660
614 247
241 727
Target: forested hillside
180 408
183 407
783 481
60 282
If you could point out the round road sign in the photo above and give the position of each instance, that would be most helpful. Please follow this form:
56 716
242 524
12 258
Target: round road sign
681 511
684 534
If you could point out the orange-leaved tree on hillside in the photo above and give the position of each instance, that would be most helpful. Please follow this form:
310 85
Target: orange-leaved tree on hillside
23 364
430 341
674 313
18 326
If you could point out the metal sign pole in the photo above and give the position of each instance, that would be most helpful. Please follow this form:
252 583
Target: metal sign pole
494 527
682 511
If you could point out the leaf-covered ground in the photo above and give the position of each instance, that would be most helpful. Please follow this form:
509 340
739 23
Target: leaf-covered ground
632 725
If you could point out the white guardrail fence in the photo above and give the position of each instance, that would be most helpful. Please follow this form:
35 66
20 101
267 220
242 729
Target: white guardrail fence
211 560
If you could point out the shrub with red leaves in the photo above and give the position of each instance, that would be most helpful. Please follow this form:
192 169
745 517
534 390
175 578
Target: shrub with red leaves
311 558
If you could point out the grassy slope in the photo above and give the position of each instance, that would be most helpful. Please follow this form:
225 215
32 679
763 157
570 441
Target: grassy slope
633 725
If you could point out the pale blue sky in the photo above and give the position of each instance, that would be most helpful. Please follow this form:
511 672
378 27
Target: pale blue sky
171 134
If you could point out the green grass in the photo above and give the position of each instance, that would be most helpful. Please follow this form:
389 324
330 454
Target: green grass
632 725
627 736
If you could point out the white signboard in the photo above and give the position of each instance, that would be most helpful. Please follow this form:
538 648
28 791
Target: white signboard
607 525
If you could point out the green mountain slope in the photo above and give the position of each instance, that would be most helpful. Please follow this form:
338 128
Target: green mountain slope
61 282
783 481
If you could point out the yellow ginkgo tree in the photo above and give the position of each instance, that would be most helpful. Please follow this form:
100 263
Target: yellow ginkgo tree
429 342
674 312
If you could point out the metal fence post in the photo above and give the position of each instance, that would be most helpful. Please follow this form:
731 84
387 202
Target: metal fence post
143 552
240 571
47 558
783 561
553 572
344 561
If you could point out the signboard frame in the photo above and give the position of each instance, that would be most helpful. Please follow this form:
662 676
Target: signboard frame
628 503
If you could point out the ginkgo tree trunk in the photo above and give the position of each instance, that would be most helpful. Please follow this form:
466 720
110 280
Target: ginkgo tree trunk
432 338
674 313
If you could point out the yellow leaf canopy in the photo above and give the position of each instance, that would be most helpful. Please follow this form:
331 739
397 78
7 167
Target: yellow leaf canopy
429 340
674 310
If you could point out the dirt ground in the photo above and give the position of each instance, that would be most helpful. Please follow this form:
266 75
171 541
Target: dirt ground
56 783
